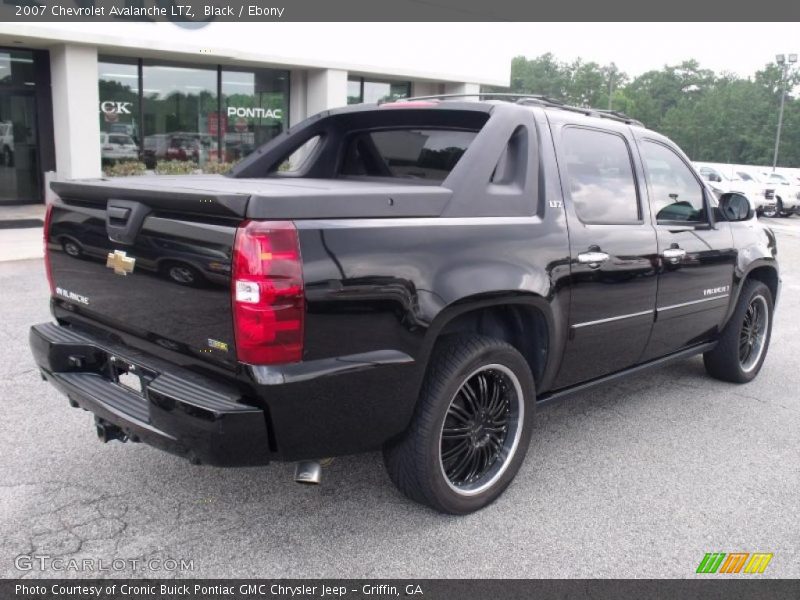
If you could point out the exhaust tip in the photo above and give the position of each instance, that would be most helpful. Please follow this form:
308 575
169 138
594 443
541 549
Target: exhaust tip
308 472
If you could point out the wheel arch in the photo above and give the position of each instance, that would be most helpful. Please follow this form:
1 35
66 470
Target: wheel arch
524 320
766 272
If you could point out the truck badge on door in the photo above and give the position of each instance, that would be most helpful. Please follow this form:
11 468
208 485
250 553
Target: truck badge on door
119 261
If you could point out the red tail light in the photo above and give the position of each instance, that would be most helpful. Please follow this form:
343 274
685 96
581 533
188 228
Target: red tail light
46 238
267 290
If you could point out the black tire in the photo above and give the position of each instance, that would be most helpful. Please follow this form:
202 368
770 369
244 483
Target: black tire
779 210
726 360
414 461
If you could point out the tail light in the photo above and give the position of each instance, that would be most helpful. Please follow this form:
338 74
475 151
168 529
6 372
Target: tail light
46 239
267 290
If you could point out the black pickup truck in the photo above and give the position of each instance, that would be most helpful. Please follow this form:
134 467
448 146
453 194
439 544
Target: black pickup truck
414 277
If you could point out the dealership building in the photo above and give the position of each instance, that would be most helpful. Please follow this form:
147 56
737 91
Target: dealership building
77 97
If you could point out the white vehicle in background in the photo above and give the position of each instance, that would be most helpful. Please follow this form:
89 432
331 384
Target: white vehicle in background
787 193
755 178
118 146
725 178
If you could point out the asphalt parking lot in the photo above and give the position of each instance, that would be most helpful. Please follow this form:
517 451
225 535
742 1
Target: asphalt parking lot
636 479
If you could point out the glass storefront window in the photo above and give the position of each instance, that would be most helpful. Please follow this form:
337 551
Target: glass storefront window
354 91
120 134
255 109
16 68
384 91
370 91
178 106
19 138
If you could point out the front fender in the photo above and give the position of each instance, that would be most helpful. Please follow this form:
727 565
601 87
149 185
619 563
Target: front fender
758 249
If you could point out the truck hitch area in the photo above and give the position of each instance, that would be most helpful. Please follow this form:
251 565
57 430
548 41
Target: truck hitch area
107 432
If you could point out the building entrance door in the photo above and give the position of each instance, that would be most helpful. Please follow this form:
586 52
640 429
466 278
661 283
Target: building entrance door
20 171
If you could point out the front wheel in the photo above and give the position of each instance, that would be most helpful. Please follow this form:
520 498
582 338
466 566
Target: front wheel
471 428
743 344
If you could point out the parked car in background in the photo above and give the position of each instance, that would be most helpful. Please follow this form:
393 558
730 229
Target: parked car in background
725 178
117 146
179 145
787 194
754 178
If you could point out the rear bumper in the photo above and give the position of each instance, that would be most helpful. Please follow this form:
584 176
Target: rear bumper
177 411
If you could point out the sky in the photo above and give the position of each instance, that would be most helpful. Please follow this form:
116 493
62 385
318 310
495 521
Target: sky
741 48
472 52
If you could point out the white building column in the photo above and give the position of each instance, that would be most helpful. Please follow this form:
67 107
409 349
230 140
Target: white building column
297 96
76 100
314 90
325 88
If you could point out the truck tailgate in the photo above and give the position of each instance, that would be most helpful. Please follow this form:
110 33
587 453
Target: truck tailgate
147 262
151 255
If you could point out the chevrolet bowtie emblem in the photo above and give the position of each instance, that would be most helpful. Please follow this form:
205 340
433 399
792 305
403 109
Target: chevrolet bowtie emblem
120 262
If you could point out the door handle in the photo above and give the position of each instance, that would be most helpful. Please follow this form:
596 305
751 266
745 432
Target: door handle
592 258
674 254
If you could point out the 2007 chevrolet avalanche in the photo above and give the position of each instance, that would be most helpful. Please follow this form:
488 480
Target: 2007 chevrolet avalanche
415 276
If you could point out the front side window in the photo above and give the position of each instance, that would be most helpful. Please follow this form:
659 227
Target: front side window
600 176
425 154
676 195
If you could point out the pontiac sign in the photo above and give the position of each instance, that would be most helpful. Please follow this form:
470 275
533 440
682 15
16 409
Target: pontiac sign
255 113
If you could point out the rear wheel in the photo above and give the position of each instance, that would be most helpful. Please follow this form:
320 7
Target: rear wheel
743 344
471 428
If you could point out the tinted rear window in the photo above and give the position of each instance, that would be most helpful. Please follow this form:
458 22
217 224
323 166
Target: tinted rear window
428 154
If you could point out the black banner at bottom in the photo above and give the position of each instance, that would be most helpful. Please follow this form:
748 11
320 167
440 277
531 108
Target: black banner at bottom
406 589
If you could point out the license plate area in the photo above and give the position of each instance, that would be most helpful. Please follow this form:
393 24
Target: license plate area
130 376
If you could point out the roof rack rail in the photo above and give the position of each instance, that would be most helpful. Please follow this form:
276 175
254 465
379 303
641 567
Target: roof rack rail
501 95
535 100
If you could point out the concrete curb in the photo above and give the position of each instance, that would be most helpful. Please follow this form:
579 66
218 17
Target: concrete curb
21 244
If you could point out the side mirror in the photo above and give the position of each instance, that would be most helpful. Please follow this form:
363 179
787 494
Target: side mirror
735 207
714 177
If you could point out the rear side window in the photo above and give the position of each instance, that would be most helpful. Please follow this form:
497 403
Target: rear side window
426 154
676 194
600 176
